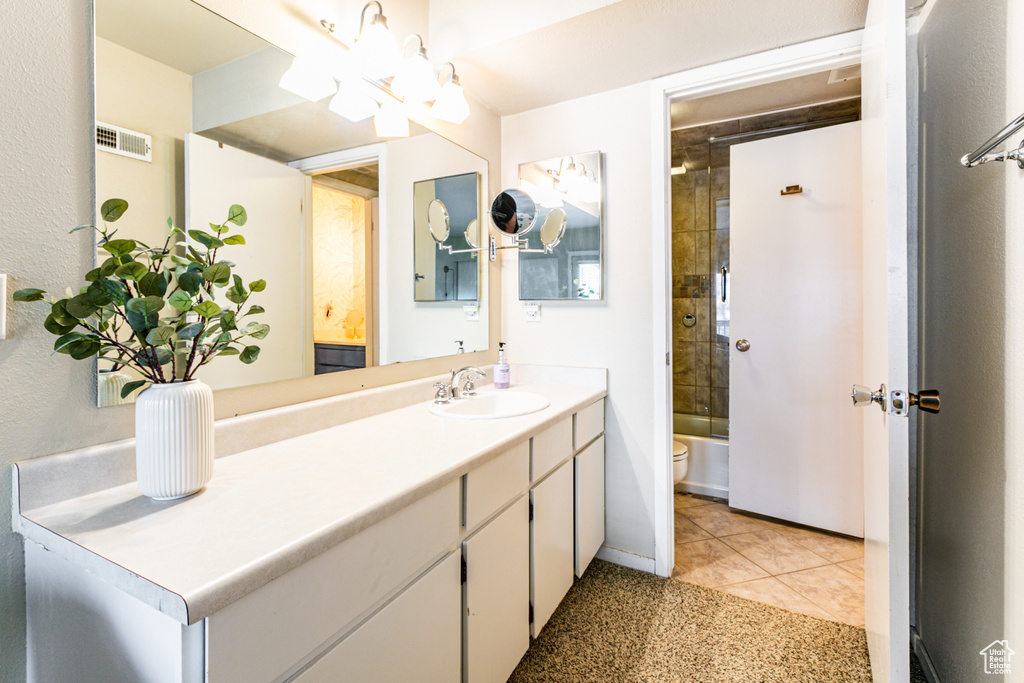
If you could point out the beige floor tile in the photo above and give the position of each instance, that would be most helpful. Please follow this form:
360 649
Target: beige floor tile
687 531
835 590
773 592
685 500
719 520
712 563
832 548
773 551
855 566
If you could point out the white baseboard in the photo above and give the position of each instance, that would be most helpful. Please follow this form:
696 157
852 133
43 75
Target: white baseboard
704 490
624 559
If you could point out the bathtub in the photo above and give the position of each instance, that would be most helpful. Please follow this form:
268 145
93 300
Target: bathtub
708 472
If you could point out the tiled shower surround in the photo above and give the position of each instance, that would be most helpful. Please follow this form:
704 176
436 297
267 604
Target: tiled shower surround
700 249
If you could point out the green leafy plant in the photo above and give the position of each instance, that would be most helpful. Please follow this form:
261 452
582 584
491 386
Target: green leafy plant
155 310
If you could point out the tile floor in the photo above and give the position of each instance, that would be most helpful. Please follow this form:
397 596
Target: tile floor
795 568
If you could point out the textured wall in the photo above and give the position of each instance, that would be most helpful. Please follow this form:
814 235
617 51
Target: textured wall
962 454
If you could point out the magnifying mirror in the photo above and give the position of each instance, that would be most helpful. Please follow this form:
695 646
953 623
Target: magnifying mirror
513 212
553 228
437 221
473 234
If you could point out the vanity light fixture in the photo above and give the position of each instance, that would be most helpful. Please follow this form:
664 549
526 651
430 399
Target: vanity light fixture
307 80
451 104
390 122
415 80
375 48
352 104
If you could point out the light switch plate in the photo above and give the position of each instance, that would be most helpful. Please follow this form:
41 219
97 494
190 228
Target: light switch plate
472 313
532 310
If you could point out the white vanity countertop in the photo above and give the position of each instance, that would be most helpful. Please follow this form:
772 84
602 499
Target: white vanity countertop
272 508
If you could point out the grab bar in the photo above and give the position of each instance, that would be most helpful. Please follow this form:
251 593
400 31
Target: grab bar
982 156
725 274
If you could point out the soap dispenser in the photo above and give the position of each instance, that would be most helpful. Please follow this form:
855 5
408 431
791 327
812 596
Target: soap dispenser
501 369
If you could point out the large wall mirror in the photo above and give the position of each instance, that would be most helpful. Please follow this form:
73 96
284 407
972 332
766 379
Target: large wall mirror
330 205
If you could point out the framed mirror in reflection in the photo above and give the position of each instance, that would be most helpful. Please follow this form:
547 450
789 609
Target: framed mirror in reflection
329 202
568 195
447 224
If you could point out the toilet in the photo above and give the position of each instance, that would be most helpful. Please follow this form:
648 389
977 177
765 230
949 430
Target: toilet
680 458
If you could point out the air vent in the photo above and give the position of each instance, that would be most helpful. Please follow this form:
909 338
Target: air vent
846 73
127 143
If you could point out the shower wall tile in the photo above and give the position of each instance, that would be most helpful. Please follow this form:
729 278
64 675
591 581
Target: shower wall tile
720 181
702 364
683 253
701 215
702 330
702 400
702 251
680 308
683 358
720 402
682 399
683 206
720 368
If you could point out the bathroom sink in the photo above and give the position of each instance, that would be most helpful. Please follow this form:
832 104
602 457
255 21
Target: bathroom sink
490 406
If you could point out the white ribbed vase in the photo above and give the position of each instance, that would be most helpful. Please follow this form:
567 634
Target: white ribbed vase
108 387
174 439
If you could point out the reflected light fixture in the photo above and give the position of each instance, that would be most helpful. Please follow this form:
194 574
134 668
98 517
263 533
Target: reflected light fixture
415 80
352 104
451 103
308 80
390 122
375 48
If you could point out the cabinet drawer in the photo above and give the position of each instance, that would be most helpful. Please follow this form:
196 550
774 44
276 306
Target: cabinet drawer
588 423
266 633
550 447
492 485
415 637
337 354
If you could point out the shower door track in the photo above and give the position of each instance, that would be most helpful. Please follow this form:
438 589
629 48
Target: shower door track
784 130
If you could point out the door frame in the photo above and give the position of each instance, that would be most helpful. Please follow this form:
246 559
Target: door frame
767 67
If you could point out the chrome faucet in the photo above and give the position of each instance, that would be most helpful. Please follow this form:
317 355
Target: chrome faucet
462 381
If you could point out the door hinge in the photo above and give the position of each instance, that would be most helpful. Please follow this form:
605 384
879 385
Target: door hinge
531 612
531 510
668 358
463 569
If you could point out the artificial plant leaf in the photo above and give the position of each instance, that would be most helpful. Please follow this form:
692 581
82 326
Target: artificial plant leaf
131 271
93 275
108 267
206 239
237 215
52 326
132 386
59 312
83 226
258 285
234 239
181 300
249 354
103 292
80 307
29 294
190 331
207 309
180 260
219 229
164 356
161 335
229 351
191 281
153 284
253 310
62 342
218 274
143 313
195 254
148 305
257 330
112 209
120 247
237 293
80 350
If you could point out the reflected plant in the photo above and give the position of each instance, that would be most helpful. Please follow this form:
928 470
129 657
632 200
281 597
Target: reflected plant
155 310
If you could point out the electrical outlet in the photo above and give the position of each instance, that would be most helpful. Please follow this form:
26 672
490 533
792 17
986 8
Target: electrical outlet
532 310
472 313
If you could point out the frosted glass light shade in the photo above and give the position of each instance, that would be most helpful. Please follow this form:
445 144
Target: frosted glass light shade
353 105
308 80
415 80
390 122
451 104
376 51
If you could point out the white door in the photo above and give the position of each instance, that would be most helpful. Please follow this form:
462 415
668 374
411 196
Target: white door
886 438
552 546
218 176
795 446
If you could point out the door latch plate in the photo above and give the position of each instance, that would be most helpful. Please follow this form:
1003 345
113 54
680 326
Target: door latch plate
899 405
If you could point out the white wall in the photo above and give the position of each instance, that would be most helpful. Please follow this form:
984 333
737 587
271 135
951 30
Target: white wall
614 333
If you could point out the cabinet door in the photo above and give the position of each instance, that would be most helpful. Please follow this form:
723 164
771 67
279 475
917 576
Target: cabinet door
552 546
589 504
415 637
497 594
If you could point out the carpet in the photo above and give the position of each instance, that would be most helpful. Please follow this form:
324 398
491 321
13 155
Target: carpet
618 624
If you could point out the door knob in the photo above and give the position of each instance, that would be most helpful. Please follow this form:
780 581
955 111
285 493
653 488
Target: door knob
862 396
742 345
927 400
